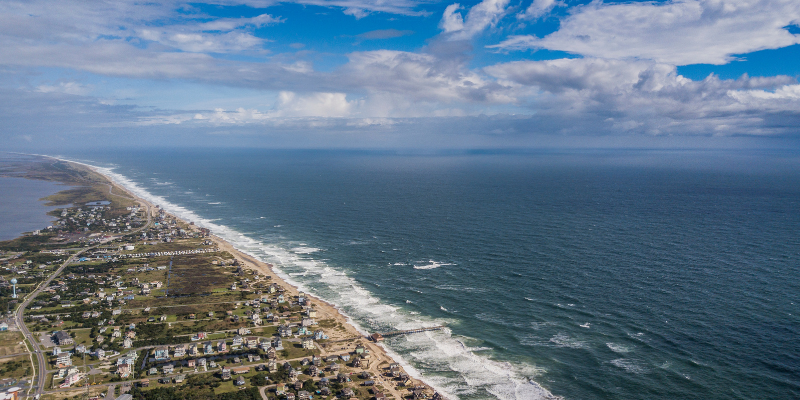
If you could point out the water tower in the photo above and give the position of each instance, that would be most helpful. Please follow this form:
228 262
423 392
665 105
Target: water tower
14 282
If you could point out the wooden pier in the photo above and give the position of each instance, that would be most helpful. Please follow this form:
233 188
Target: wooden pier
377 337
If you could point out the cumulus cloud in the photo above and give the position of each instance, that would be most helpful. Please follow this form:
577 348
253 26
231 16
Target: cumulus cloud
481 16
651 98
679 32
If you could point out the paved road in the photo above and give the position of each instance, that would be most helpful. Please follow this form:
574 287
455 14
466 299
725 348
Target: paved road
20 315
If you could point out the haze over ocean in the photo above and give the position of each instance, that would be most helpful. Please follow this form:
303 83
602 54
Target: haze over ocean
599 275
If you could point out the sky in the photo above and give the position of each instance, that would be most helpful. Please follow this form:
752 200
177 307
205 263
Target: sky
399 74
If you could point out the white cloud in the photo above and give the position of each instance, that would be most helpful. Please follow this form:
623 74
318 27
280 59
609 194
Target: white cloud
679 32
481 16
539 8
314 105
65 87
452 22
650 98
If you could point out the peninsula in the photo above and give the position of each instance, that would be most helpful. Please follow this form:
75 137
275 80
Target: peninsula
120 299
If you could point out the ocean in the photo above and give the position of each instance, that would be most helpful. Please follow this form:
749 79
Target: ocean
585 275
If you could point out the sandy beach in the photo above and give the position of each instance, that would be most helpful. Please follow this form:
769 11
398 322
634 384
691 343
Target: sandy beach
345 338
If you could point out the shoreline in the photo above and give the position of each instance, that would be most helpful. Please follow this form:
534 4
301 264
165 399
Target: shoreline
325 309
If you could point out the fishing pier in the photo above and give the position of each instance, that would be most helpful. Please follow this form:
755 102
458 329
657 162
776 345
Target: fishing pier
378 337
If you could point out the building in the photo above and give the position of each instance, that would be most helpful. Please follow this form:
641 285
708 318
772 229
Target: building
63 360
62 338
308 343
71 379
162 353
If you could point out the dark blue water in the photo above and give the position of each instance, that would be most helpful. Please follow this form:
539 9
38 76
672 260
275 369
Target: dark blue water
21 207
602 275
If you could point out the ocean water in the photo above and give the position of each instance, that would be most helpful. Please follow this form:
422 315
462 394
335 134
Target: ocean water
595 275
21 207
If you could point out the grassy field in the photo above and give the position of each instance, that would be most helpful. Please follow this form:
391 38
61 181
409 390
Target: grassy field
10 343
15 367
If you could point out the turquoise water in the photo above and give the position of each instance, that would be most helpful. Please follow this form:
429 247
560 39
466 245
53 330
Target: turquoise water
598 275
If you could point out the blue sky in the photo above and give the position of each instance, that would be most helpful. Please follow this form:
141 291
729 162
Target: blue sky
403 73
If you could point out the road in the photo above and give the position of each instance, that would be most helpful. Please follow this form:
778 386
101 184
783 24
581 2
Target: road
20 315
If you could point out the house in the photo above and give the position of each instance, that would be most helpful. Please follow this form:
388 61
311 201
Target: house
180 378
334 367
208 348
62 338
306 322
347 392
237 341
3 326
63 360
127 343
162 353
124 370
312 371
280 389
180 351
380 396
284 331
226 373
345 357
201 362
303 395
271 353
153 371
303 331
222 346
312 313
308 343
191 363
277 343
252 342
320 335
240 370
100 353
243 331
239 381
272 366
290 396
71 379
168 369
193 350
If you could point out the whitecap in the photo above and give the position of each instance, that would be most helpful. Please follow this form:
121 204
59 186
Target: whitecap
430 265
305 250
629 365
619 348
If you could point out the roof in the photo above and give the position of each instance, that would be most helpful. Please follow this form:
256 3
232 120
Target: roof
125 397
